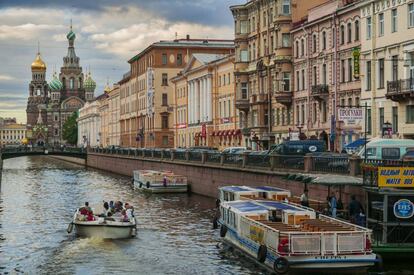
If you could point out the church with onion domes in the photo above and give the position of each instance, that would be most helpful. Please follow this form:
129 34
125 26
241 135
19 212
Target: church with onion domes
50 104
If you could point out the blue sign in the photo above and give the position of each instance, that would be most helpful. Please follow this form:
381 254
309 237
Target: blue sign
403 209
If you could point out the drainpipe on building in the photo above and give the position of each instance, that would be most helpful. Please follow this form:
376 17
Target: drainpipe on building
307 73
335 78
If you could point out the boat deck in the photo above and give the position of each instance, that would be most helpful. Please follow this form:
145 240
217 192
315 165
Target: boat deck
309 225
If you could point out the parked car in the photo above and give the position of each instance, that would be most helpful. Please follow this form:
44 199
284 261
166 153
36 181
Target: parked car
299 147
234 150
387 149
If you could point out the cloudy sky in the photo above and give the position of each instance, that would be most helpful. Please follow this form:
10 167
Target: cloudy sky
109 32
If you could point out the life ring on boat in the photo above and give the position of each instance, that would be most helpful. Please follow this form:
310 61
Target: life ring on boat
223 231
148 184
70 228
262 253
281 265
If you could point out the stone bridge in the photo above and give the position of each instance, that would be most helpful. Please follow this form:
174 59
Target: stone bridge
8 153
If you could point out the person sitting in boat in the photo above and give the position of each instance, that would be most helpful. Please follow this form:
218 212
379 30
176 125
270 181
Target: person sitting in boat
124 216
164 181
106 209
129 210
85 209
90 216
112 206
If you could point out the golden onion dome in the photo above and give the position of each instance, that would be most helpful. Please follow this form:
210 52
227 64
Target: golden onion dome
107 89
38 64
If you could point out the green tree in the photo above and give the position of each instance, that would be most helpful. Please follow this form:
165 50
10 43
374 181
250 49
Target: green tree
70 129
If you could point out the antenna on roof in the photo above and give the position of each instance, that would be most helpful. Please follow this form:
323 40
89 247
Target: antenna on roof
38 47
71 24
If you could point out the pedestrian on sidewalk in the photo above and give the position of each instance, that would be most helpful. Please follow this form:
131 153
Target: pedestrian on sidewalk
304 199
333 204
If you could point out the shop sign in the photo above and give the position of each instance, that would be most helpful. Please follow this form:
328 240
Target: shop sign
294 135
181 126
356 53
403 209
396 177
225 120
350 116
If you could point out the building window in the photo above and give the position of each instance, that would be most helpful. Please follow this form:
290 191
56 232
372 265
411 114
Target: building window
164 122
349 29
369 120
164 59
56 131
297 81
165 140
349 69
297 49
286 7
164 79
410 113
381 117
368 83
303 80
302 47
324 77
164 99
302 114
342 70
244 90
285 40
381 73
254 51
394 20
244 56
395 68
381 24
395 119
356 30
314 76
314 116
314 43
286 82
410 15
254 118
71 83
297 114
342 34
179 59
323 40
277 116
244 24
369 28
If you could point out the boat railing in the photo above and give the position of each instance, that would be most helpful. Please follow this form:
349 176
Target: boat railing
293 241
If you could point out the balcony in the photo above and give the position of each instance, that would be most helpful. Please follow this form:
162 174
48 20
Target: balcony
320 92
242 101
258 99
284 97
400 90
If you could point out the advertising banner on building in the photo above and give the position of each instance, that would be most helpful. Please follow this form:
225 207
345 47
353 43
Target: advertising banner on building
351 116
356 53
396 177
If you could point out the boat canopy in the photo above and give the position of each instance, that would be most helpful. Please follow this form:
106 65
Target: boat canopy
247 206
325 179
236 189
279 205
269 188
356 144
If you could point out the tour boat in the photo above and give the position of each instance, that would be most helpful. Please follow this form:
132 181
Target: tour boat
284 236
102 227
231 193
159 181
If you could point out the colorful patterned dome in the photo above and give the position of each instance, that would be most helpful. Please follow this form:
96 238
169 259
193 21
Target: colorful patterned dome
55 84
89 83
71 35
38 64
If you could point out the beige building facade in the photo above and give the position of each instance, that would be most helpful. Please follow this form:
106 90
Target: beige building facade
205 113
12 134
388 67
89 125
149 121
114 125
325 73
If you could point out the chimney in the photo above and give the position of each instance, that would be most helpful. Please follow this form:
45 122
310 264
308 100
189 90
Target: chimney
188 37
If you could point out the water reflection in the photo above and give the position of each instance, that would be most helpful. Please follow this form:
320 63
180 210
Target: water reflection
37 200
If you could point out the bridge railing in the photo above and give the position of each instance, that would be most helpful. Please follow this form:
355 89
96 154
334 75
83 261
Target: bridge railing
326 163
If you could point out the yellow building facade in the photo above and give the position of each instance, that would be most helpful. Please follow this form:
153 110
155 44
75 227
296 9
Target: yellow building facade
204 100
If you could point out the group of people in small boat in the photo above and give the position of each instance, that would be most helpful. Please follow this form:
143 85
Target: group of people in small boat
112 211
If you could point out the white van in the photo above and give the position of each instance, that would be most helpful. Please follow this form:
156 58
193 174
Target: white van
393 149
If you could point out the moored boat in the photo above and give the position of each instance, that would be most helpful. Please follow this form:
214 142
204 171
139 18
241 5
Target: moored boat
159 181
284 236
103 227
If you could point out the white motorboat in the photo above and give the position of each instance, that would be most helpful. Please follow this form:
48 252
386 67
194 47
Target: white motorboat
159 182
103 227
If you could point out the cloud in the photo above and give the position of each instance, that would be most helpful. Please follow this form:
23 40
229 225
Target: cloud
6 78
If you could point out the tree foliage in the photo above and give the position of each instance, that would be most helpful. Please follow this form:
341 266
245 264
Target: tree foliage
70 129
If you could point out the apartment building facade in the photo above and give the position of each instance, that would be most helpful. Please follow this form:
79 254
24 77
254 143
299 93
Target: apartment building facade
387 51
151 116
326 45
114 125
205 113
89 125
12 133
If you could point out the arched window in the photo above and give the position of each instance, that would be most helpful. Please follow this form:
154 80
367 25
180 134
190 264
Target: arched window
356 30
71 83
80 83
342 34
314 43
38 91
324 40
349 40
297 48
302 47
64 82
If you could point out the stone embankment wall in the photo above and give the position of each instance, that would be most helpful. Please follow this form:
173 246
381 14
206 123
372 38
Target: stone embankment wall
70 159
206 179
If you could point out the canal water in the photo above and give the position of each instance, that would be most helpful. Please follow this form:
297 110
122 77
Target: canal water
37 200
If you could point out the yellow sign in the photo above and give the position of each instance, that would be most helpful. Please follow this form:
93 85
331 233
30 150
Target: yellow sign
396 177
356 53
256 234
